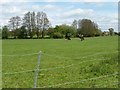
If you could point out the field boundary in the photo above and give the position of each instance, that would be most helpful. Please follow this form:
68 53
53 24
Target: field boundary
58 67
48 69
84 80
20 55
114 83
54 55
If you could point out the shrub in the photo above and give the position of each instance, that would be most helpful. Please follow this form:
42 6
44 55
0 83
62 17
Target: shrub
57 35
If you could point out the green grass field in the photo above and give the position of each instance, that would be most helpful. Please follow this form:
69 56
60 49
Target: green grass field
65 64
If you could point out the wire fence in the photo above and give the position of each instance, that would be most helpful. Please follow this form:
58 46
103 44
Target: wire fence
54 68
60 67
84 80
106 85
19 55
56 56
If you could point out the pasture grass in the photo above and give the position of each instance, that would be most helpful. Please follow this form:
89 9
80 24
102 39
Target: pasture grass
64 63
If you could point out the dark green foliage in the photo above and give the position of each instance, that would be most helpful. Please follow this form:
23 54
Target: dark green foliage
111 31
36 25
57 35
64 29
106 66
22 34
61 31
89 28
50 32
115 33
38 33
5 32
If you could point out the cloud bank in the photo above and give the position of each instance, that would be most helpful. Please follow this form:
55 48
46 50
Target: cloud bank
103 13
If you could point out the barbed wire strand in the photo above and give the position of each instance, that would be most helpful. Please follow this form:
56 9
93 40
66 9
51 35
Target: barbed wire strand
20 55
84 80
34 69
103 85
48 69
54 55
71 64
25 71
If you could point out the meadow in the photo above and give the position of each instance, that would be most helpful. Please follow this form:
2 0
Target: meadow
92 63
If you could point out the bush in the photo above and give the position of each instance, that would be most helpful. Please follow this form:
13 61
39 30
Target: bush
57 35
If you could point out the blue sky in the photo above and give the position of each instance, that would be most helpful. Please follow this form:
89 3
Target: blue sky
105 14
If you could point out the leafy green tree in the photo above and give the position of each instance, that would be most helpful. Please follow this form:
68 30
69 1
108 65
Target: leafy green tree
33 24
88 28
75 24
44 23
111 31
50 32
57 35
17 22
36 23
22 34
64 29
5 32
27 23
14 24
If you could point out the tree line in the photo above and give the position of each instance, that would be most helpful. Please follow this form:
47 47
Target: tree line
37 25
32 24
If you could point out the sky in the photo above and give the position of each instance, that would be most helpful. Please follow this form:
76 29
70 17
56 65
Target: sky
102 12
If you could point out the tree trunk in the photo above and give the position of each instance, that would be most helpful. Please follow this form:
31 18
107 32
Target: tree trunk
43 34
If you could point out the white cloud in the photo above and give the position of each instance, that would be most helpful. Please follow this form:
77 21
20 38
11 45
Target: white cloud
79 0
76 13
47 7
12 9
7 1
60 15
107 21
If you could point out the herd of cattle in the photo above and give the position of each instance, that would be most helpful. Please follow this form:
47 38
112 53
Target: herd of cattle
67 36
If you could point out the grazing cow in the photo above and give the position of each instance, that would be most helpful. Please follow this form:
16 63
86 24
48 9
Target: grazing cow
81 36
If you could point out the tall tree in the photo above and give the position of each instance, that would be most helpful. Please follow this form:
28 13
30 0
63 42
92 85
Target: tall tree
44 23
17 22
17 25
50 32
22 33
12 25
27 23
33 24
79 24
39 24
88 28
75 24
111 31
